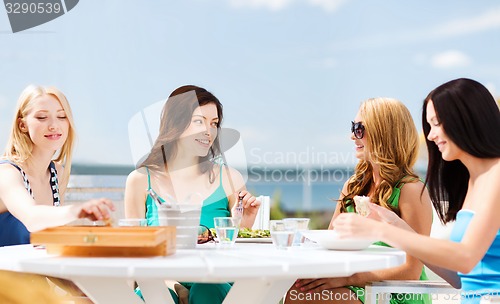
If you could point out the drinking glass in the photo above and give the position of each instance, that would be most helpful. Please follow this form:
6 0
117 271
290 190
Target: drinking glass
186 223
227 230
282 233
132 222
302 224
185 216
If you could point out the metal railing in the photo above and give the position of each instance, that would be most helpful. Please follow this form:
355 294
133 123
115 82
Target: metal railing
81 194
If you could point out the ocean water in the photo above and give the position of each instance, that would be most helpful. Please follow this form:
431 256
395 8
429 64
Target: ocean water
298 197
298 189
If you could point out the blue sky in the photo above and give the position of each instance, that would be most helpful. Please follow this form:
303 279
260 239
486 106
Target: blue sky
290 73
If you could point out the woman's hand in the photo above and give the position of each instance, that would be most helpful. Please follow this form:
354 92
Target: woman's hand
382 214
250 203
318 285
95 210
356 226
250 208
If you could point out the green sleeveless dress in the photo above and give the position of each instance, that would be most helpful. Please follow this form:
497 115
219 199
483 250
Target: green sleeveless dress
215 205
396 298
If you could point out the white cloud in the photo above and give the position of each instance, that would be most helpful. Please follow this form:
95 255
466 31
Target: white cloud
483 22
450 59
276 5
328 5
464 26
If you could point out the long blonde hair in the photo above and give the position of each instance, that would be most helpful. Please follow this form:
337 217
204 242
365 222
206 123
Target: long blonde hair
392 142
19 146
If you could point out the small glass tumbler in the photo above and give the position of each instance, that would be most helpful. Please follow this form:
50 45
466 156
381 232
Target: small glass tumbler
227 230
302 224
132 222
282 233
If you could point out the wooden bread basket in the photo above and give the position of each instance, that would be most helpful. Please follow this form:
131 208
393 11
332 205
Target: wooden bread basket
91 241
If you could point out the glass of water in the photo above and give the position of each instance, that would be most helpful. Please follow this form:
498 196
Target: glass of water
302 225
282 233
227 229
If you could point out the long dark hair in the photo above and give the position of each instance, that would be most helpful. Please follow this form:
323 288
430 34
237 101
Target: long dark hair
175 119
470 117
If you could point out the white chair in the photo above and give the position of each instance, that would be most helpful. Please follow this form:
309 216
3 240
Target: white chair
264 214
381 290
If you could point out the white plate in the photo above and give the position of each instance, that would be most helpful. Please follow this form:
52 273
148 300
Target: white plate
254 240
329 240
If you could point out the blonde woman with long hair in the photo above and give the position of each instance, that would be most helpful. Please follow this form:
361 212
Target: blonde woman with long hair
386 144
35 168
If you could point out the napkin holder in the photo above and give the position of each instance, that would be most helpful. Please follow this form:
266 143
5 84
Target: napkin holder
91 241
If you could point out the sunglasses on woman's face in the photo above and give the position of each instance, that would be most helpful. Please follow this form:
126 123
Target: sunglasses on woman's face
358 129
204 235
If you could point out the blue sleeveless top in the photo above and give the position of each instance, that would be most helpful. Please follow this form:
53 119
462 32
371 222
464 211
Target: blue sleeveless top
12 231
215 205
484 278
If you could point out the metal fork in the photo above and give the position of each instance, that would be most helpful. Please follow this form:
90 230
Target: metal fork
239 207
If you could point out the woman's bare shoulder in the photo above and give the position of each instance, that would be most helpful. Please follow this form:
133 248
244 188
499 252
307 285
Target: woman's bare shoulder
138 175
137 179
413 187
230 170
232 179
5 165
415 194
495 169
487 185
7 169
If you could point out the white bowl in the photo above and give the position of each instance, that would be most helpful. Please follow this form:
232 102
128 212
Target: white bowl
330 240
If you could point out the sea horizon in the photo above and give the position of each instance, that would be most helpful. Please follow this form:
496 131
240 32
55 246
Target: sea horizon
299 188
